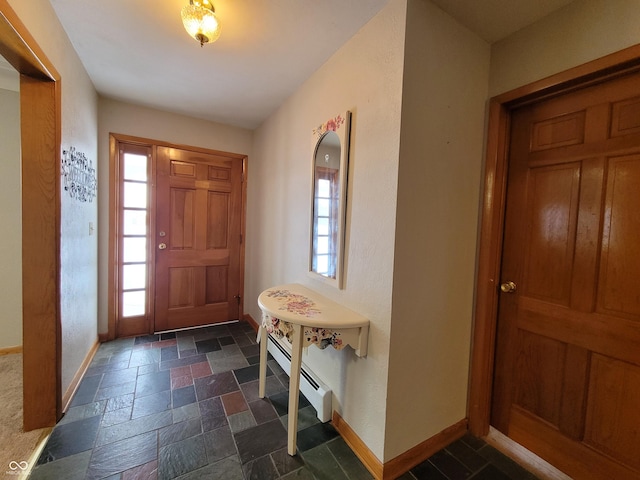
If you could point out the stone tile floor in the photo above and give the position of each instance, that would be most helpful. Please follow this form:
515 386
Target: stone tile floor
185 405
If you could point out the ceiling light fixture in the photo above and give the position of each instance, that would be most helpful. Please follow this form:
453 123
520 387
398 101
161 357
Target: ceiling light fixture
200 21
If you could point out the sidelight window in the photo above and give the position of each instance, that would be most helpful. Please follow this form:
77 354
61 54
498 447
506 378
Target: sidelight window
133 238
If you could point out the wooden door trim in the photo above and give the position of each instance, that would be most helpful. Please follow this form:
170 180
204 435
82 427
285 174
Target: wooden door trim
112 287
493 209
114 139
113 306
40 133
121 137
20 49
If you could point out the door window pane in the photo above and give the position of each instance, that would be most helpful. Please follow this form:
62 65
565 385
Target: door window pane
135 167
135 195
323 263
134 276
323 207
324 188
134 249
135 222
323 245
323 226
133 303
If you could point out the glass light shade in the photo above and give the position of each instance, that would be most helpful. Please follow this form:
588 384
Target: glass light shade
201 22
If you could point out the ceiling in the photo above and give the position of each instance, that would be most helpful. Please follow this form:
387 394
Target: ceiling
494 20
137 50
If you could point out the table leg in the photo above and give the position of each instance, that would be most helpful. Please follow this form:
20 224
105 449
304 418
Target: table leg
263 362
294 388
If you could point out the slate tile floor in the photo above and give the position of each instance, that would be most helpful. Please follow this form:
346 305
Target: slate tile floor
185 405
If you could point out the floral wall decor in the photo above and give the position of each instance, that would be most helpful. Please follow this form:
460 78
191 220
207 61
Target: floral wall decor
330 125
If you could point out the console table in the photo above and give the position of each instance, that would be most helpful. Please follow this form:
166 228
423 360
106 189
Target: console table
304 317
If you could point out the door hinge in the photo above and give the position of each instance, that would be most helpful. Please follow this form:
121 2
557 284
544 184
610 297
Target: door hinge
240 238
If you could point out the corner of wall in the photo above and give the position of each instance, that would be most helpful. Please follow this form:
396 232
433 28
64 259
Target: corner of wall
445 88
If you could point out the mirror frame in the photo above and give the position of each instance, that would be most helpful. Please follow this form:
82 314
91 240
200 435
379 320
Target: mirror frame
341 125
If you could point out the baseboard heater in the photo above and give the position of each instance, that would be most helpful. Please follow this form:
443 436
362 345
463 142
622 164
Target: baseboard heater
318 394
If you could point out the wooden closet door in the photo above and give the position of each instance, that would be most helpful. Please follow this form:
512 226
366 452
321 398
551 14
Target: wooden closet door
198 237
567 376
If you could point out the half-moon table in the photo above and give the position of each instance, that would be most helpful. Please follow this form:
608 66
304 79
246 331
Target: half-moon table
304 317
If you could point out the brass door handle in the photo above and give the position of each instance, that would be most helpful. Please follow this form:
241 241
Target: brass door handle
162 246
508 287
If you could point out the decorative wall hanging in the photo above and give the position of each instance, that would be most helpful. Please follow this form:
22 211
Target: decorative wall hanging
79 175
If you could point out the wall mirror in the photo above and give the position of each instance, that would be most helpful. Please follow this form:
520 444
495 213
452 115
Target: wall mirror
330 163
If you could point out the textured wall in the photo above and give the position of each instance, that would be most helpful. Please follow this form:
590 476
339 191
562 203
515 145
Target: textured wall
364 76
582 31
445 86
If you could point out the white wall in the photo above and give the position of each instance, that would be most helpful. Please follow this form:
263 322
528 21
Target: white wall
445 89
127 119
78 250
11 220
364 76
582 31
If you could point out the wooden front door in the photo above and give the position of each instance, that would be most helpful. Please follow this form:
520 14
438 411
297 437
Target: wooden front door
198 238
567 366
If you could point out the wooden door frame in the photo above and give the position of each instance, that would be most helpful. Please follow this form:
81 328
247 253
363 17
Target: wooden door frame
493 209
114 139
40 133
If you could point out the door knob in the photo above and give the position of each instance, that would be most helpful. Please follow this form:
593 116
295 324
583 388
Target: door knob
508 287
162 246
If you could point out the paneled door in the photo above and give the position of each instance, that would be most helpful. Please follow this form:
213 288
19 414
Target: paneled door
198 238
567 375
